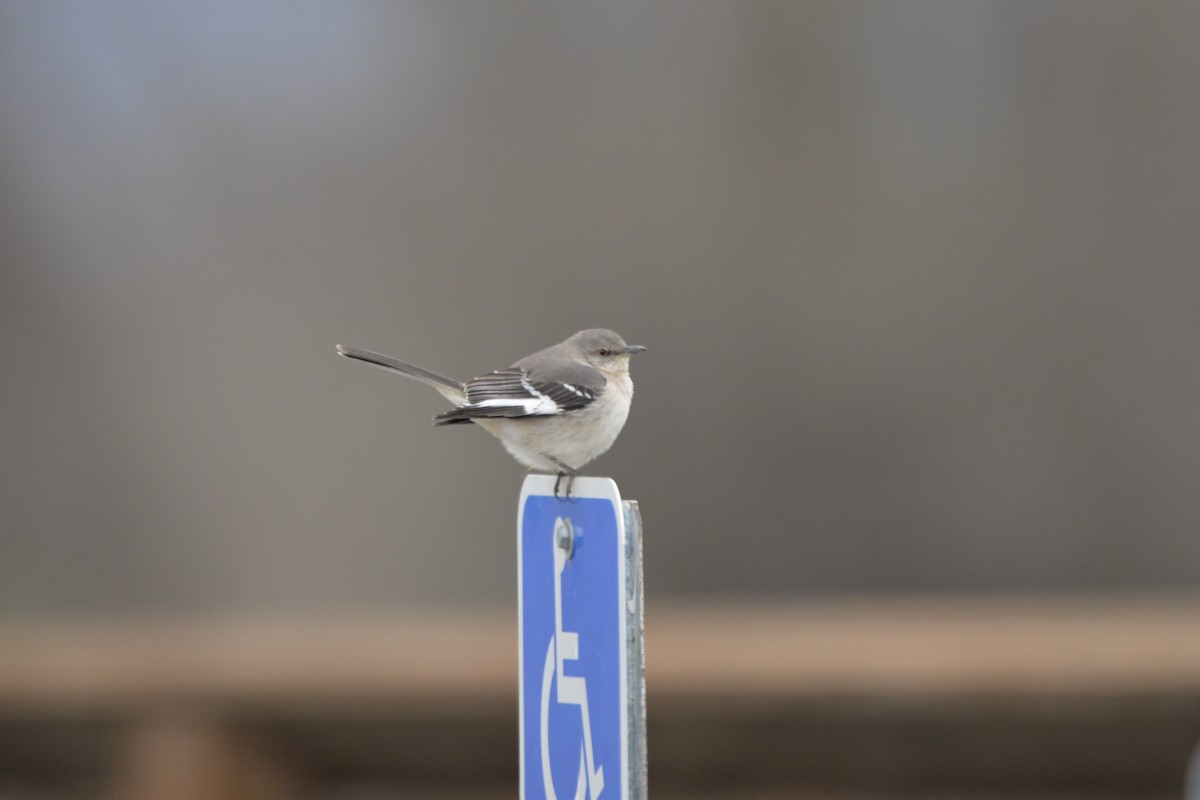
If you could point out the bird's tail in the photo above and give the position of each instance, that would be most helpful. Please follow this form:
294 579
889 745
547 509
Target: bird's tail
452 390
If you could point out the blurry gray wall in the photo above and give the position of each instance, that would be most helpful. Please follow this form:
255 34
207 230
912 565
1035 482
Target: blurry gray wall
920 283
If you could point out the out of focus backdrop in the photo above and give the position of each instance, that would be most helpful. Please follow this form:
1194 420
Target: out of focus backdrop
920 283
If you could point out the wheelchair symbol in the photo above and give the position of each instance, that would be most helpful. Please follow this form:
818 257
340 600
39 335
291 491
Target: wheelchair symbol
571 690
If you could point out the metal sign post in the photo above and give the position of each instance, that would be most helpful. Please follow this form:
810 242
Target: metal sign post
1192 780
582 684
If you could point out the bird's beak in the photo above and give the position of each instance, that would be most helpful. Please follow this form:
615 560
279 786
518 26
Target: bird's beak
635 348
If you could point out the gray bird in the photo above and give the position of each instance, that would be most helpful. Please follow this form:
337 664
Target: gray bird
554 411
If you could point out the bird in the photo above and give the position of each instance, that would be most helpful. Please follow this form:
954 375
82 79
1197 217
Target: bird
554 411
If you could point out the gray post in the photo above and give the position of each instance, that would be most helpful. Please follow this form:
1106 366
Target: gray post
1191 789
635 601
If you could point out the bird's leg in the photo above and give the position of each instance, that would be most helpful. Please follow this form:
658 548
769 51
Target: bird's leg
570 476
563 470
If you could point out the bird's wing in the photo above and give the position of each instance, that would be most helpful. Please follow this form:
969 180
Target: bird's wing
551 389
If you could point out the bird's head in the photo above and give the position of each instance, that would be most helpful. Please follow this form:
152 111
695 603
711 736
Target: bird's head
603 349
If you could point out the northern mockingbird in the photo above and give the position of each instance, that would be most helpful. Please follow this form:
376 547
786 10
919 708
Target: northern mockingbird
554 411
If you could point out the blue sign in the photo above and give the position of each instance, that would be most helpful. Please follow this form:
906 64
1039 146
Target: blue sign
574 686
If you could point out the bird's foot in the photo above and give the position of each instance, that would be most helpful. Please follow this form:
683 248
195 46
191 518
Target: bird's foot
567 492
567 472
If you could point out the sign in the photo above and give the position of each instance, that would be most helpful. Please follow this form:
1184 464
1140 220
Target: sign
575 671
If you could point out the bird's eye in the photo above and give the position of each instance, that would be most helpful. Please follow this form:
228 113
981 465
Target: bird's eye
602 352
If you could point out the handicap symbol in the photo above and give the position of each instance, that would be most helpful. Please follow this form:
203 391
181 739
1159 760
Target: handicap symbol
572 690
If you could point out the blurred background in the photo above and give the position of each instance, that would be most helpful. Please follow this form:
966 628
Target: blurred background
919 283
